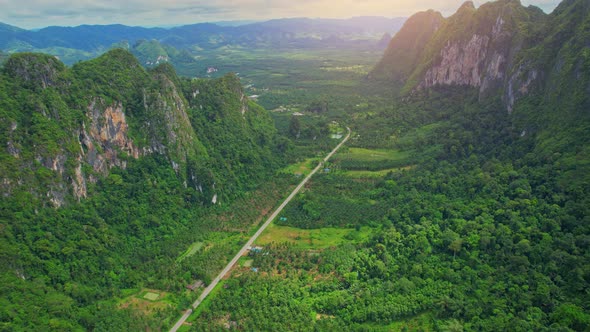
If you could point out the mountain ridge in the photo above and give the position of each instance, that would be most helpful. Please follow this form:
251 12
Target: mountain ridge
299 32
484 48
102 113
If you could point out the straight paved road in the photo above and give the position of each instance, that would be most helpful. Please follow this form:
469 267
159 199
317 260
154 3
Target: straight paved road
242 251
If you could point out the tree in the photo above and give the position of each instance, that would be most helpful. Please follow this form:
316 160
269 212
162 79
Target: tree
295 127
455 246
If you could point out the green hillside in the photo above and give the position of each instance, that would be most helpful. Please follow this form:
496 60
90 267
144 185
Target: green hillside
102 159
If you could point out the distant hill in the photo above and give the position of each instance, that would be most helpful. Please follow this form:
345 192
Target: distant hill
72 44
152 53
93 37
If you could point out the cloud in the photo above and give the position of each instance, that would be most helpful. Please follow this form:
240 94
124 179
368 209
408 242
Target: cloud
40 13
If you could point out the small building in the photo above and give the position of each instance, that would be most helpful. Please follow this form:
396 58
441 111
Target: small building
195 285
255 269
256 249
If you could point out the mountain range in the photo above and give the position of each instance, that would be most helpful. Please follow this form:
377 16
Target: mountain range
358 32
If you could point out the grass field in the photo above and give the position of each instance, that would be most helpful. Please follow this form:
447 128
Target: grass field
190 251
303 167
147 301
312 238
360 154
372 163
151 296
376 174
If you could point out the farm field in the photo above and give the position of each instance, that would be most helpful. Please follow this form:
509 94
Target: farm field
372 163
301 168
196 246
320 238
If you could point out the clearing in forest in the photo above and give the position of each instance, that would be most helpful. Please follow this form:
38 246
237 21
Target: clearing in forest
369 163
151 296
319 238
146 301
301 168
196 246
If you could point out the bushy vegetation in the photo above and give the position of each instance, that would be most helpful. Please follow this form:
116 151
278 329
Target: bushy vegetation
69 267
486 232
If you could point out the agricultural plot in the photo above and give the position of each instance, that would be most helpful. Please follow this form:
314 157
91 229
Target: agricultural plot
196 246
151 296
370 163
301 168
320 238
148 301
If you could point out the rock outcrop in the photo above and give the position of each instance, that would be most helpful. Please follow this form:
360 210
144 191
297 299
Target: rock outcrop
493 49
35 70
407 46
78 124
477 47
106 138
462 63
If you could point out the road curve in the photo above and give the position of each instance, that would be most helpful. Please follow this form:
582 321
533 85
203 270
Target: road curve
242 251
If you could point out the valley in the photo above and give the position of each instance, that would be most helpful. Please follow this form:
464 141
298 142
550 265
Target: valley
184 164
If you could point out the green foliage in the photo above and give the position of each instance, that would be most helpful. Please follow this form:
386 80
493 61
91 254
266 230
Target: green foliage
237 133
486 232
152 53
294 127
34 70
66 267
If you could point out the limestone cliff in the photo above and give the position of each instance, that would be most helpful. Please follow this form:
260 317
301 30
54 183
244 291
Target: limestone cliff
477 47
481 48
65 129
405 49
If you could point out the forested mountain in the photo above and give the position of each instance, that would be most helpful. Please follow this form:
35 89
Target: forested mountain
405 48
537 64
104 112
499 48
107 157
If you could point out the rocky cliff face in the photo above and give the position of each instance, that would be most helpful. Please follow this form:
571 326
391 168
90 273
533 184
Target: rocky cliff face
106 138
484 48
407 46
76 125
482 53
462 64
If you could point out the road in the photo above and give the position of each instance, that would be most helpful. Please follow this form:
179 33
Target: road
242 251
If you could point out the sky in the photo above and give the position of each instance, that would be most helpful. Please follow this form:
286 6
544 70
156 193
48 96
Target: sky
30 14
